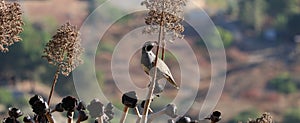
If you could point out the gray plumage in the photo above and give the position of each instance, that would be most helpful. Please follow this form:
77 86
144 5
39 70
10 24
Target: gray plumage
148 59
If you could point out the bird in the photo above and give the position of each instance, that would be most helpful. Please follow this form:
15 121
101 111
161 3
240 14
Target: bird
148 61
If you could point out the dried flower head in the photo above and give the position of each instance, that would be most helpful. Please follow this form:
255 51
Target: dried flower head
165 13
64 49
10 24
265 118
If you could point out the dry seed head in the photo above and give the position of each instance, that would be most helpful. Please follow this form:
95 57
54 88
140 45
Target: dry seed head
168 13
10 24
265 118
64 49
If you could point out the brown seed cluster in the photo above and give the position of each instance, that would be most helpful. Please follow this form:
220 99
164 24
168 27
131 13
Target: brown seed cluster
64 49
265 118
166 13
171 21
10 24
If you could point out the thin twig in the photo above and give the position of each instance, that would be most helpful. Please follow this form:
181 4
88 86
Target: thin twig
53 85
155 115
139 116
163 46
70 118
163 32
78 120
152 84
100 119
49 117
125 112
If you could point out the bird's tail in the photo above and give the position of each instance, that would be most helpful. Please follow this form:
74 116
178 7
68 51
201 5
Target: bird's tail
172 81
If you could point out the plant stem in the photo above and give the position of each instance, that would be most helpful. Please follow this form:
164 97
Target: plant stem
152 84
163 32
53 85
139 116
163 45
49 117
70 119
100 119
79 118
155 115
125 112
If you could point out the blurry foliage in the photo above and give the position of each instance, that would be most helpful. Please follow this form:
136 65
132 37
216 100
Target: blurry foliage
292 116
34 34
100 78
93 4
252 13
217 4
24 59
6 96
244 116
106 47
11 98
261 14
225 35
293 24
107 12
283 84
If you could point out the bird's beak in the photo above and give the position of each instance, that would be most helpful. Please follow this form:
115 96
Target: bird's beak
154 43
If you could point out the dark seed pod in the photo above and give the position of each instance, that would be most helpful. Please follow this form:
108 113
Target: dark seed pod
95 108
40 107
69 103
184 119
215 116
14 112
81 106
129 99
59 108
83 116
10 120
143 103
109 111
27 119
34 99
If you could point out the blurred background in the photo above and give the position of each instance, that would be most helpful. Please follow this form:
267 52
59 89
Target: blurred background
261 37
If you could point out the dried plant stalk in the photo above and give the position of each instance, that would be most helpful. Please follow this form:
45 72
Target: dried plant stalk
152 83
124 115
163 18
10 24
64 51
70 118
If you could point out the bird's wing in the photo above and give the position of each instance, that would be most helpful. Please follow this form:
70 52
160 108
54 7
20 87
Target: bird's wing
163 68
145 69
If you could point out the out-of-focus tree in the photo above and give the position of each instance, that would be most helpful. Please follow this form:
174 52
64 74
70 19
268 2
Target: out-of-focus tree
292 116
283 83
244 116
252 13
293 25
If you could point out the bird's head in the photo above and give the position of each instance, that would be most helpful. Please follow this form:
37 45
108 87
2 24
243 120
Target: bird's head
149 45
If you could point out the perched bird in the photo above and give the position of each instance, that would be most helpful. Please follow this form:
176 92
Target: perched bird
148 59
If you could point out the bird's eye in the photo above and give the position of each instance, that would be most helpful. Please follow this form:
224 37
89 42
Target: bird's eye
149 48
